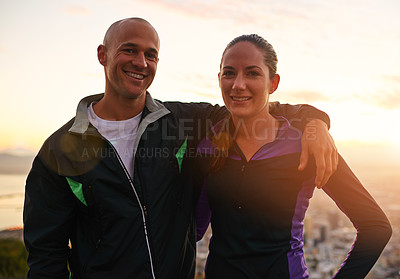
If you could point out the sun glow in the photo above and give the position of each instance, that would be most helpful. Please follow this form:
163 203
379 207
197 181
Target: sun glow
351 73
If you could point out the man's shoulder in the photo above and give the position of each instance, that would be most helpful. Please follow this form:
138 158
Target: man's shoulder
192 109
62 130
67 153
60 138
178 104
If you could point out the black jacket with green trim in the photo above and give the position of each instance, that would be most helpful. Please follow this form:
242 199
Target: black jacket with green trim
85 217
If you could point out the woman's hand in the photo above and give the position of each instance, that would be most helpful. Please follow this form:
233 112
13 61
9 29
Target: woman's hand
317 141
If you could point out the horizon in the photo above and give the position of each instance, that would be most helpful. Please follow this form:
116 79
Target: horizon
365 160
340 57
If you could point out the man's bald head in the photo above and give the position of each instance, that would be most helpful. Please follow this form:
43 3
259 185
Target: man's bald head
116 27
129 56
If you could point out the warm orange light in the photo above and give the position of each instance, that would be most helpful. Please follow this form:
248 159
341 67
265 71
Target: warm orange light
16 228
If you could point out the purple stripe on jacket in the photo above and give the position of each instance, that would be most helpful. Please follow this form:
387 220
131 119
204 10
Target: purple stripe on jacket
280 145
297 266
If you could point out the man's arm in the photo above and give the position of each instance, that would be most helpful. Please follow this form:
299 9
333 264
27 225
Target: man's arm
48 215
316 139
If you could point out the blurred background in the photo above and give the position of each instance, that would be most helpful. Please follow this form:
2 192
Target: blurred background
340 56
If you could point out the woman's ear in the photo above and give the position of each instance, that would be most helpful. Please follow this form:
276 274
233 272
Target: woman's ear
275 83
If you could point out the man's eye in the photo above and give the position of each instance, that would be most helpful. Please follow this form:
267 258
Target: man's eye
151 56
128 50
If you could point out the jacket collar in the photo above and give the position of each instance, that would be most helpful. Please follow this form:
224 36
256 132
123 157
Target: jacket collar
81 124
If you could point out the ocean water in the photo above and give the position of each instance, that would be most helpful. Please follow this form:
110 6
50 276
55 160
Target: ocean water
11 199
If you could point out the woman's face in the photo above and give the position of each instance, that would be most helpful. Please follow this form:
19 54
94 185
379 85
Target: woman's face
244 81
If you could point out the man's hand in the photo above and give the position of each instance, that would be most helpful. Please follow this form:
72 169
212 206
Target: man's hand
317 141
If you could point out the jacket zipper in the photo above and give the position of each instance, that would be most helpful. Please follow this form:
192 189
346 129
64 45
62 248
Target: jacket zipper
142 208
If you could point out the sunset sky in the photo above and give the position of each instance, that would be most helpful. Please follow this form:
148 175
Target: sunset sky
340 56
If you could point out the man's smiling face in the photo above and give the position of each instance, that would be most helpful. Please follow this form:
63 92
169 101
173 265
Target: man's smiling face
130 57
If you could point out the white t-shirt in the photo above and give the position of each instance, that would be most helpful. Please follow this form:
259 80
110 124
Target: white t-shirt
121 134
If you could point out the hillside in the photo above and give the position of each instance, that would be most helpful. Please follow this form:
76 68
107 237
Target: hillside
12 164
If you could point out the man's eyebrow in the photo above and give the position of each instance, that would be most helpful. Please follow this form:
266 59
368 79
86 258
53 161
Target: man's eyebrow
135 45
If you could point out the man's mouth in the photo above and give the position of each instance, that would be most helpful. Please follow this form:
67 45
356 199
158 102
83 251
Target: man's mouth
134 75
240 99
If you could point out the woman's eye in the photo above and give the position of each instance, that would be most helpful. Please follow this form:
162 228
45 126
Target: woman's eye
253 73
227 73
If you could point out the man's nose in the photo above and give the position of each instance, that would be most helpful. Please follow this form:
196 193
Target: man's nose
139 60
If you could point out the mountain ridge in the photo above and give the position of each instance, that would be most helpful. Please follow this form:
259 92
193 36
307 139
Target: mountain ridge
15 164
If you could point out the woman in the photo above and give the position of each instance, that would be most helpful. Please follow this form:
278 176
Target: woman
257 196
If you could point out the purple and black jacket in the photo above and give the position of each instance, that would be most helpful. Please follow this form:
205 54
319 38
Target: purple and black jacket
257 208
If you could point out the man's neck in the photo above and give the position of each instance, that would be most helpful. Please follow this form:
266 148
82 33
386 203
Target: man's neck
117 109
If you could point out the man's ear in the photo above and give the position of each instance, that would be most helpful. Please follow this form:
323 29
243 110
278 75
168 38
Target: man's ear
275 83
101 54
219 79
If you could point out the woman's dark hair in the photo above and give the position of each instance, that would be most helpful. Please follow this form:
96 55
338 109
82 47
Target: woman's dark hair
270 57
223 139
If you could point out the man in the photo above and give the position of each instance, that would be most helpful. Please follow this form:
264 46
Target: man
115 181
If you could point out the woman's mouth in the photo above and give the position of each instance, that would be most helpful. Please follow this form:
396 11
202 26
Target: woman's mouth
240 99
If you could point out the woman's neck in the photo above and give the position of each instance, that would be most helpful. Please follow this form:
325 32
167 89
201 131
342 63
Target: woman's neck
259 128
251 134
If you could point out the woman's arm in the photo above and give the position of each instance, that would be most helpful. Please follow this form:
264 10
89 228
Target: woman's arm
203 212
373 228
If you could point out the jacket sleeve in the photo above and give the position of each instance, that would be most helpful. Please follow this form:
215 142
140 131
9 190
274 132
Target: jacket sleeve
48 215
298 115
373 228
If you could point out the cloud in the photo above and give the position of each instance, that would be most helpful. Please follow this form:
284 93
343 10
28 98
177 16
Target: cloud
259 12
202 94
303 96
3 49
77 10
384 94
393 79
388 100
199 84
93 75
198 8
389 96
